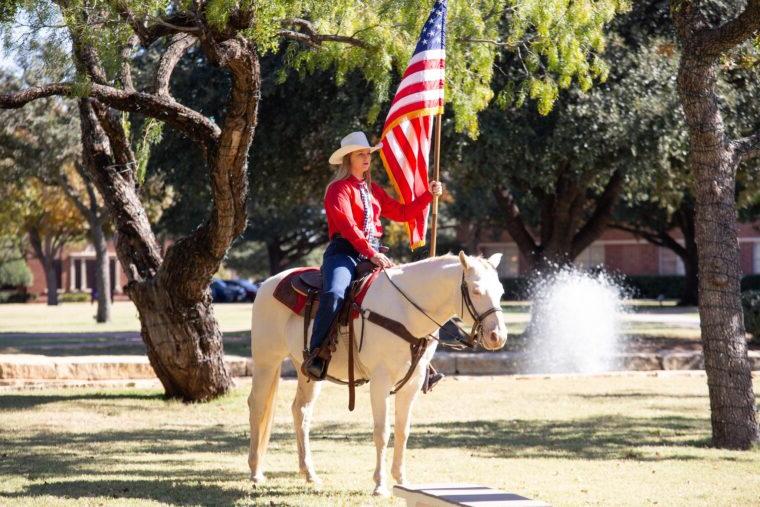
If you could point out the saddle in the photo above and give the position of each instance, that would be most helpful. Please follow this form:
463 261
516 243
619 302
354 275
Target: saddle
299 291
311 280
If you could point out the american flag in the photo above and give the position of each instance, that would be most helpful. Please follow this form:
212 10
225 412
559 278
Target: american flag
409 125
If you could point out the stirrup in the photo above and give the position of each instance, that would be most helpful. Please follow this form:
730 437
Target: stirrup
432 377
309 361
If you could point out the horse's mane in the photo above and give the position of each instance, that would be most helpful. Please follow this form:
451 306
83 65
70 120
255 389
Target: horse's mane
448 256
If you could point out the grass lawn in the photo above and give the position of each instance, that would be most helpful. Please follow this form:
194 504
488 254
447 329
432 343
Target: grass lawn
235 321
625 440
80 318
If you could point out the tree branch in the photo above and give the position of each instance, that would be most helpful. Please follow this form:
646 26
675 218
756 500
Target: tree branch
180 43
126 68
515 225
718 40
162 26
311 38
601 215
15 100
657 238
747 148
188 121
73 195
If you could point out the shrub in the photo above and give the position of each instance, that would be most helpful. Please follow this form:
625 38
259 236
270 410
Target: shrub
650 287
750 283
515 289
15 274
14 296
74 297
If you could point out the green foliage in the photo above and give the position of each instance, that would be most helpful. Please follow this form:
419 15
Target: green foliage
636 286
559 42
74 297
750 282
625 124
152 131
8 10
9 296
15 273
654 286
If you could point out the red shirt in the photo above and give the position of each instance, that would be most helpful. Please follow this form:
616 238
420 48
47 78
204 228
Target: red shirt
345 212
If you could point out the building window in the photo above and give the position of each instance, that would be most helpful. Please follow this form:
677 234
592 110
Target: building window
591 257
670 263
509 267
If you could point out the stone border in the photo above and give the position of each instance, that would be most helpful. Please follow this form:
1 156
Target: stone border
18 368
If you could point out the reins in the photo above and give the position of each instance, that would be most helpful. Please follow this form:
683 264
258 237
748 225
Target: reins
477 327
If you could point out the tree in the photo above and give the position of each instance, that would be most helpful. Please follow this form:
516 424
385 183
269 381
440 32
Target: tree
553 181
171 291
301 121
655 222
49 220
44 142
706 39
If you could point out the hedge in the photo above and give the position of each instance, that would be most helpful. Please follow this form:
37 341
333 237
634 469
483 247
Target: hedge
14 296
15 274
74 297
637 286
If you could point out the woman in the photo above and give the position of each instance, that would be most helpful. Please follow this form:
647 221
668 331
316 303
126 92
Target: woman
353 221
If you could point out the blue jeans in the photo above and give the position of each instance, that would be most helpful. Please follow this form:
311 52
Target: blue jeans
338 271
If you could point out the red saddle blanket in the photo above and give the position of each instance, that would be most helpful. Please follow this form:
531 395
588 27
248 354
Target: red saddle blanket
287 295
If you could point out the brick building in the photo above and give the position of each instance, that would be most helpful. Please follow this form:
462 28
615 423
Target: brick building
76 272
622 252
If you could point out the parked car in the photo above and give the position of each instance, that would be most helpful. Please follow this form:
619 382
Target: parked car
249 288
222 292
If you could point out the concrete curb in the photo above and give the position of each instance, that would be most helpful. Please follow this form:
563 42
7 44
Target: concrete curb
22 367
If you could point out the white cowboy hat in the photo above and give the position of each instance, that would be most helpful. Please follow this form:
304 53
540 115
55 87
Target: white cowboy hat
354 141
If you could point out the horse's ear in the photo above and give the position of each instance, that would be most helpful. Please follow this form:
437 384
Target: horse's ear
494 260
463 260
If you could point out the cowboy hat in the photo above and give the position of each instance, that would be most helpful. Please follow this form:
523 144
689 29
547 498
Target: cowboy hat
354 141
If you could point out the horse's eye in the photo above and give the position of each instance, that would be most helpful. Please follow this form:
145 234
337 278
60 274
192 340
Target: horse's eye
477 290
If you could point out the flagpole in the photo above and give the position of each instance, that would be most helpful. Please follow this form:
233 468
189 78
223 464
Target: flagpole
434 225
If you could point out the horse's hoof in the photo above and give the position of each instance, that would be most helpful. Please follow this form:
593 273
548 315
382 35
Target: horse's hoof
313 479
258 478
381 491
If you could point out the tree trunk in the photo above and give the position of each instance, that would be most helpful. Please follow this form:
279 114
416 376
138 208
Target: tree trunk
566 229
275 257
45 253
181 336
729 378
102 272
51 280
183 341
685 218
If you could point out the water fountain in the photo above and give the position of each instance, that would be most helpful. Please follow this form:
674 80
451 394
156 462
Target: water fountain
575 322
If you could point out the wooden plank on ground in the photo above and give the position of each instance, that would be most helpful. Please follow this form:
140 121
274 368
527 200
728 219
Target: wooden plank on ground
466 495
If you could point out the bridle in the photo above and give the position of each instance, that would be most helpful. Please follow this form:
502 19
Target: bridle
476 332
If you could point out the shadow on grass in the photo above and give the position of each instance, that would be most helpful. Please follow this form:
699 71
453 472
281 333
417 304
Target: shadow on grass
595 438
152 464
129 465
645 395
23 401
236 343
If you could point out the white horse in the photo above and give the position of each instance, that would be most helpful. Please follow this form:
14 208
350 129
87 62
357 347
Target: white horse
435 286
